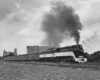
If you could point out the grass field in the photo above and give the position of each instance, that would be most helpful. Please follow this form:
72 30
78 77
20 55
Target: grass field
21 71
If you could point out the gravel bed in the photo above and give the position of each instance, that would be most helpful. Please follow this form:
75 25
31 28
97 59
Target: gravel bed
16 71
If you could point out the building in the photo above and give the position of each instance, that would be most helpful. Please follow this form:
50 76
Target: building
37 49
6 53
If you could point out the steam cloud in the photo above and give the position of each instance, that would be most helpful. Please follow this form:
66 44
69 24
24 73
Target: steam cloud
59 22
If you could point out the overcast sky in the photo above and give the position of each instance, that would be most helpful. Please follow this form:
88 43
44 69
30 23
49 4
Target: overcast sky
20 23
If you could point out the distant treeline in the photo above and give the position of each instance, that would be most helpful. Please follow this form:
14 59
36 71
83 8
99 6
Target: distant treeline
95 57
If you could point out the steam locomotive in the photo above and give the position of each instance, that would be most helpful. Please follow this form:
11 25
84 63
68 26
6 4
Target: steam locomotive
73 53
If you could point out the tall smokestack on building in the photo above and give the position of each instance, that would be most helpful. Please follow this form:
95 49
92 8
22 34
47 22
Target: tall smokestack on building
59 22
15 51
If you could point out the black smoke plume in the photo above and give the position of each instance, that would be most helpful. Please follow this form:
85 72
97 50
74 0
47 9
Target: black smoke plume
59 22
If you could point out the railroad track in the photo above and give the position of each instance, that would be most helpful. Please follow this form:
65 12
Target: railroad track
95 66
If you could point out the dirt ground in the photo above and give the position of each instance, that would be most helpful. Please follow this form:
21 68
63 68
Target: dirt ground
17 71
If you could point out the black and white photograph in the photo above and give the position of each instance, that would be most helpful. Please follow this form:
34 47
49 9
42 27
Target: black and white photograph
49 40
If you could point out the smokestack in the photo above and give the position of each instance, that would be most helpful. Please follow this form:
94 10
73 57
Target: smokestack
60 20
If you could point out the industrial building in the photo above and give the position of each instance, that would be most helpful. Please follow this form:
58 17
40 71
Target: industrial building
37 49
6 53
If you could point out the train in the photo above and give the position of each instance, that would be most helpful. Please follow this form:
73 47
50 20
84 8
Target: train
74 53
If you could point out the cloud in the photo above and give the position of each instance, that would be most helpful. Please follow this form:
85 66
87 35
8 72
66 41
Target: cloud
20 22
91 43
20 26
90 16
9 6
88 10
6 7
89 13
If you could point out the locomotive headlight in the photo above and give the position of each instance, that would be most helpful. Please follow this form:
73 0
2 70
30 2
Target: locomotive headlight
81 59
